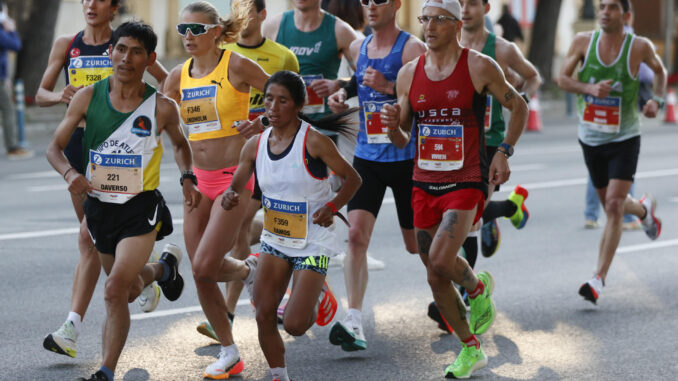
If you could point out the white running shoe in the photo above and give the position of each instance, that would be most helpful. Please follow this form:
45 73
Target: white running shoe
251 261
228 364
651 224
150 297
62 341
374 263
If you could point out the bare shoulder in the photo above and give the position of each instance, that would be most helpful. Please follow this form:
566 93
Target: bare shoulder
81 99
407 71
479 62
165 104
642 44
344 32
581 40
413 48
355 46
507 50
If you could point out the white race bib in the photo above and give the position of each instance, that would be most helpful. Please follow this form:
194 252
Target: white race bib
115 178
602 114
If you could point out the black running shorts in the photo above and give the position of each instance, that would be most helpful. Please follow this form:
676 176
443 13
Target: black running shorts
73 150
616 160
376 177
108 224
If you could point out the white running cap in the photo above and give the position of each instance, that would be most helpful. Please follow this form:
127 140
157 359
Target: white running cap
451 6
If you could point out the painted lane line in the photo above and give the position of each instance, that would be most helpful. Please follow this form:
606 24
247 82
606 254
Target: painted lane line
648 246
55 232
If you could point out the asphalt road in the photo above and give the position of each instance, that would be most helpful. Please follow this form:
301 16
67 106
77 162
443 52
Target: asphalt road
543 330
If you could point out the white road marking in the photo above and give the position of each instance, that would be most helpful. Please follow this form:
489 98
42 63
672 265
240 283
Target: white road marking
648 246
50 233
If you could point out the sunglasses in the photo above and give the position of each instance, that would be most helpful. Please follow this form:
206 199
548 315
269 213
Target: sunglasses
378 3
436 19
196 29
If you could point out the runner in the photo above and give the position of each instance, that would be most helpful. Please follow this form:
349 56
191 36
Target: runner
84 60
609 126
379 163
475 36
318 39
443 92
122 150
292 160
212 89
272 57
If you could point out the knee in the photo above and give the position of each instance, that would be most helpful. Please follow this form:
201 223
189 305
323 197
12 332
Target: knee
266 315
614 206
85 243
435 281
437 264
411 247
203 271
295 327
358 238
116 291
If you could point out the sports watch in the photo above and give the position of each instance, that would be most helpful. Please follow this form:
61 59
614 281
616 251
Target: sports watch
506 149
188 174
660 101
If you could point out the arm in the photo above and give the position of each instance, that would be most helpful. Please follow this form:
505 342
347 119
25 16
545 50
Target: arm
321 146
576 55
10 40
376 80
291 62
172 85
524 68
345 38
245 169
46 95
158 72
652 60
399 117
245 73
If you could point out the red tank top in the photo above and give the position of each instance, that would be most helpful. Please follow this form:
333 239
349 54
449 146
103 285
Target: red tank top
449 117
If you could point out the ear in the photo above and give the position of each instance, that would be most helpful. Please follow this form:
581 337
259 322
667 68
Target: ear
487 8
262 15
151 59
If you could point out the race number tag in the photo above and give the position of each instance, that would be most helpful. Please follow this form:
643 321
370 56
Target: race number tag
86 70
602 114
256 112
488 113
441 148
199 109
376 132
315 103
285 222
115 178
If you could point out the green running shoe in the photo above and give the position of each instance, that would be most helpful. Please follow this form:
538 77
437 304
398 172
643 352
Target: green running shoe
518 196
205 328
482 306
349 335
469 360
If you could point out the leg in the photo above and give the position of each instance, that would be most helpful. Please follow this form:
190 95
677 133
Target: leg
8 122
241 249
86 271
615 197
355 264
302 308
592 210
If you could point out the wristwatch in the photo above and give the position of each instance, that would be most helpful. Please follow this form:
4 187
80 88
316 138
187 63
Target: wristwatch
188 175
659 100
506 149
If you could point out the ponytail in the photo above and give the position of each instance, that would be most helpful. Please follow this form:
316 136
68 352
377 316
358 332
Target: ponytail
342 123
232 26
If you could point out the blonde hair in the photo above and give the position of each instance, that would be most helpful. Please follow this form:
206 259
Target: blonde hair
232 26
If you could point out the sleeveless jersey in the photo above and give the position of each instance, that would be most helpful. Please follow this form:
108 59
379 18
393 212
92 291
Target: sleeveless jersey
209 105
448 128
614 118
494 118
122 151
86 64
272 57
373 142
290 196
318 56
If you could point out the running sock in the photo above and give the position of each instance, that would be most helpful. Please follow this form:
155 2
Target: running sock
471 249
496 209
232 348
107 372
280 374
230 316
76 319
477 291
166 271
472 341
356 315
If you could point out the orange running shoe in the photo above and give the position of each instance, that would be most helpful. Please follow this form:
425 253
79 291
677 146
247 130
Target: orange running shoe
327 307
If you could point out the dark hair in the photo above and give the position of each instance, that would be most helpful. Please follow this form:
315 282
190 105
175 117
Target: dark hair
351 11
295 85
113 2
260 5
232 26
626 5
139 31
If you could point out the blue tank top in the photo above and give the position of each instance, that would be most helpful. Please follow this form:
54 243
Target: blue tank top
86 64
373 143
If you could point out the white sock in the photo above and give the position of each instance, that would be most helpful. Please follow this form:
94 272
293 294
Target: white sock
231 348
356 315
280 374
473 234
76 319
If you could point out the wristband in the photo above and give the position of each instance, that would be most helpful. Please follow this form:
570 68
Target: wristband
526 97
68 170
333 207
659 100
188 175
352 87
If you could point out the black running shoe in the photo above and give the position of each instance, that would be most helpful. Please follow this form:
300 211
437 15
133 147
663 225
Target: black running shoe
434 314
98 376
174 285
490 238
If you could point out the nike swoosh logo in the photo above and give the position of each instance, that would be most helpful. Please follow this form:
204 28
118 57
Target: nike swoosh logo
151 221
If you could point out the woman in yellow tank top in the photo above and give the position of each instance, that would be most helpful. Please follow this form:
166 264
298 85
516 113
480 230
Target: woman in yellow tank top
212 89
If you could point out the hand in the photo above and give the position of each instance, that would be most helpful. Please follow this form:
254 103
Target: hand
324 87
249 128
9 25
600 89
77 183
230 199
374 79
337 101
390 116
651 108
499 169
323 216
68 92
192 195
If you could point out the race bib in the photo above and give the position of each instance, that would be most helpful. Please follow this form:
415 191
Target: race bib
256 112
115 178
376 132
199 109
488 114
285 222
441 148
602 114
315 103
86 70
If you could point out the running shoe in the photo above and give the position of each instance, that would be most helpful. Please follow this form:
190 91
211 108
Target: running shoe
228 364
149 298
633 225
490 238
283 305
469 360
251 261
482 306
591 224
349 334
205 328
62 341
518 196
591 289
174 285
98 376
436 316
651 224
373 263
327 306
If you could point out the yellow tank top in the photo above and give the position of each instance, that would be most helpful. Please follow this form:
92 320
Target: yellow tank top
210 105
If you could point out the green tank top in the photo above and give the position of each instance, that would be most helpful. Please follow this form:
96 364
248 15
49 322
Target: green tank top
317 53
102 119
614 118
494 118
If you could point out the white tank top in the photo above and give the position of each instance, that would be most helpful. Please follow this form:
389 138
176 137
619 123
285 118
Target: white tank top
290 196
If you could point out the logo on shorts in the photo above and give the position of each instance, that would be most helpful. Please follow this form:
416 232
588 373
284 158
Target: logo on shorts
152 221
141 126
75 52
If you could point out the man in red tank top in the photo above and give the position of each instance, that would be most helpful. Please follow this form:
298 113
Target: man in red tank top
443 92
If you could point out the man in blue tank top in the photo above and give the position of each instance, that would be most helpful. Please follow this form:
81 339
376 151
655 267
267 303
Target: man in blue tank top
379 163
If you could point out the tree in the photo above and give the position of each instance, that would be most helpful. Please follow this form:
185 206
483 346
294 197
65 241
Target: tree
544 37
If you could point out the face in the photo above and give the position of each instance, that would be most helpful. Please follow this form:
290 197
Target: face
130 60
379 16
280 107
439 34
98 12
254 24
473 14
306 5
612 16
197 45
